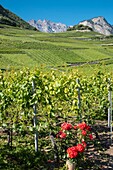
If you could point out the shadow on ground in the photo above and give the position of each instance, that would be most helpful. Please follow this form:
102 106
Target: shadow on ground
102 152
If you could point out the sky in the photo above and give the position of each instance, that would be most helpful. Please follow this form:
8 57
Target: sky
69 12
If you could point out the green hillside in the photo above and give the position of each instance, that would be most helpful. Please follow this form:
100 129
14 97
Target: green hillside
27 48
9 18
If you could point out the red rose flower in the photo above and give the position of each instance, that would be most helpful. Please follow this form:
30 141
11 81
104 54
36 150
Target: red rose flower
66 126
88 128
58 134
84 144
91 136
80 148
63 135
73 148
72 152
82 126
84 133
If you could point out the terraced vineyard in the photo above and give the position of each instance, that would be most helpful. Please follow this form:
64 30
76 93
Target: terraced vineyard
54 97
26 48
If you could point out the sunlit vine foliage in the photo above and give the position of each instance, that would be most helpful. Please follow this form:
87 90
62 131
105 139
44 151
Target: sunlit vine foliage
55 96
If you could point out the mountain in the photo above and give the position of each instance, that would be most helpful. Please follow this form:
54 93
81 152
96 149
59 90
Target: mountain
9 18
48 26
98 24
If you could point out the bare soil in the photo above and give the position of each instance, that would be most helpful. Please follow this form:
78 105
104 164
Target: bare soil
102 156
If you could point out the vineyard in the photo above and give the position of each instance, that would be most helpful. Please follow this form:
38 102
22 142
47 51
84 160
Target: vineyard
27 48
34 102
69 80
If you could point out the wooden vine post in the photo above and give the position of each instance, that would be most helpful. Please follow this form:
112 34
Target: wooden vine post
110 109
35 120
79 99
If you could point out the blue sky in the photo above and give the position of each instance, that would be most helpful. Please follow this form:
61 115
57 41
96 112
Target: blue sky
69 12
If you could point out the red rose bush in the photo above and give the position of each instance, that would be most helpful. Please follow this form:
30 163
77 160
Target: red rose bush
74 140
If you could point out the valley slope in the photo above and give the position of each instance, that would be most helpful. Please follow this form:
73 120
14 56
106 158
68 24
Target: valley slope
26 48
21 46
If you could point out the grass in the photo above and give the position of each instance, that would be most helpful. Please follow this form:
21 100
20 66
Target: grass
27 48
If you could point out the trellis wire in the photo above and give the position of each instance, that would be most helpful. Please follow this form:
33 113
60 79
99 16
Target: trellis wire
35 120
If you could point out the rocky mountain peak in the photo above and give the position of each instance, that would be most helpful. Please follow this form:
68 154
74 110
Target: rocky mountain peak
48 26
98 24
99 19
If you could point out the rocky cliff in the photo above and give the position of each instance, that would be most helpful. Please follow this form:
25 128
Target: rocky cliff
48 26
99 24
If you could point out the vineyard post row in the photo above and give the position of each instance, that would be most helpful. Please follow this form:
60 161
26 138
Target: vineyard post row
79 106
28 95
109 108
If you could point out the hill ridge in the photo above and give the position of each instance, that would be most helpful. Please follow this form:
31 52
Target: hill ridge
9 18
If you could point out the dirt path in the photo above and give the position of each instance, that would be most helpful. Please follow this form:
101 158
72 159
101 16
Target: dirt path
109 153
104 156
